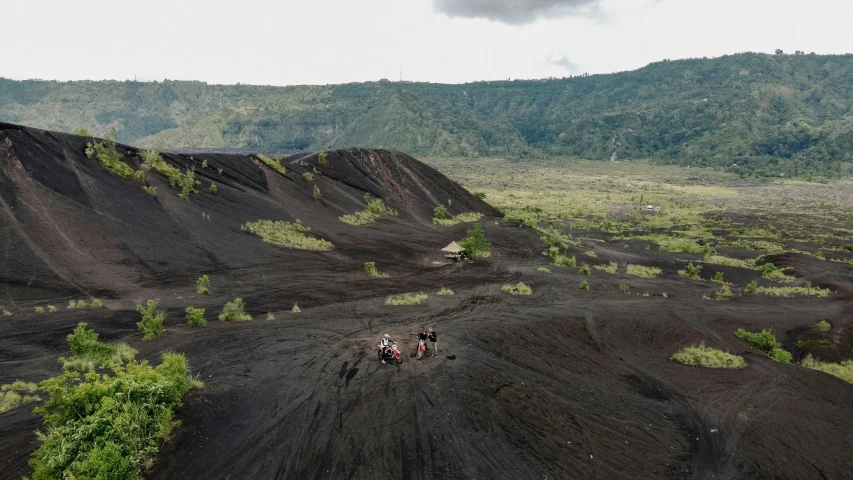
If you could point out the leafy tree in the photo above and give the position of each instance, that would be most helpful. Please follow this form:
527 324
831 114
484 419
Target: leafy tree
475 243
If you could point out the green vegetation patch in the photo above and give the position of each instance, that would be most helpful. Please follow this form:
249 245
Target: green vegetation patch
519 289
202 285
730 262
152 320
17 393
87 353
466 217
822 326
475 242
234 312
843 370
286 234
584 285
725 292
273 163
195 317
609 268
765 342
563 261
668 243
691 271
807 289
184 182
642 271
371 270
445 292
376 208
406 299
109 426
708 357
107 154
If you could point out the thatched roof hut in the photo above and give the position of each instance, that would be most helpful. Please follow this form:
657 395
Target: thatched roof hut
453 248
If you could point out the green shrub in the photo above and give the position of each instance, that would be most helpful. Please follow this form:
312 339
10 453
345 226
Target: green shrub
691 271
543 270
202 285
270 316
321 159
439 213
97 303
843 370
11 398
480 195
375 209
718 277
609 268
308 176
39 309
591 254
150 190
765 342
822 326
195 317
807 289
20 386
445 292
272 163
213 188
475 242
563 261
371 271
518 289
751 287
107 154
185 182
152 321
296 309
87 353
642 271
702 356
7 313
285 234
465 217
848 248
724 293
234 312
624 288
406 299
315 192
584 270
103 426
584 285
82 132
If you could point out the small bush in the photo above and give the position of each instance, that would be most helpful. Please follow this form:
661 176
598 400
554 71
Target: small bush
97 303
375 209
609 268
691 271
308 176
202 285
7 313
11 398
718 277
107 154
150 190
406 299
702 356
465 217
322 160
543 270
445 292
195 317
584 270
272 163
152 321
20 386
315 192
642 271
563 261
591 254
518 289
213 189
624 288
296 309
270 316
751 287
371 271
724 293
39 309
482 196
475 242
51 309
286 234
439 213
185 182
87 353
822 326
765 342
584 285
843 370
234 312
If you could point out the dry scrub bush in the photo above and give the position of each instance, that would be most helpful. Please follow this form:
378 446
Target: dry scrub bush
445 292
286 234
234 312
518 289
702 356
642 271
406 299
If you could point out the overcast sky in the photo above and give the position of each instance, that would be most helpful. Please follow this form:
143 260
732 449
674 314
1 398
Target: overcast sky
288 42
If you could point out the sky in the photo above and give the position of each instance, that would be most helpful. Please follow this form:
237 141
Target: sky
289 42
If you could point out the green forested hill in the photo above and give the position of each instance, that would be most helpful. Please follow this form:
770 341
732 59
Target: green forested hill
769 114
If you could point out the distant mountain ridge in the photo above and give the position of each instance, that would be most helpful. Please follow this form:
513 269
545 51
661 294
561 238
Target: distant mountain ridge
754 114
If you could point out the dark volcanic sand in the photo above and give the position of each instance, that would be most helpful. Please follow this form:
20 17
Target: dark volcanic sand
561 384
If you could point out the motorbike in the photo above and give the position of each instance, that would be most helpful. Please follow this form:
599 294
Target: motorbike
422 348
390 353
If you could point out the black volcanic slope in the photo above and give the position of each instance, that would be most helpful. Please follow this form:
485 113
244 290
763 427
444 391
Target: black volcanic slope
561 384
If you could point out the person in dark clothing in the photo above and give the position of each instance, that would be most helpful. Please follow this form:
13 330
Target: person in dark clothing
422 336
433 341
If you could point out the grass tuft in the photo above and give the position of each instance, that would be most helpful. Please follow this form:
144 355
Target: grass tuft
466 217
406 299
843 370
702 356
642 271
765 342
822 326
445 292
375 209
609 268
543 270
371 271
272 163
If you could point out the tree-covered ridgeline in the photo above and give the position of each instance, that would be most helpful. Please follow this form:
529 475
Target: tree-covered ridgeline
754 114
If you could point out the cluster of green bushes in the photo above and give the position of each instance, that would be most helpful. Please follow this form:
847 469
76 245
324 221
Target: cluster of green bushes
87 353
107 154
519 289
195 317
765 342
17 393
185 182
152 320
273 163
286 234
375 209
